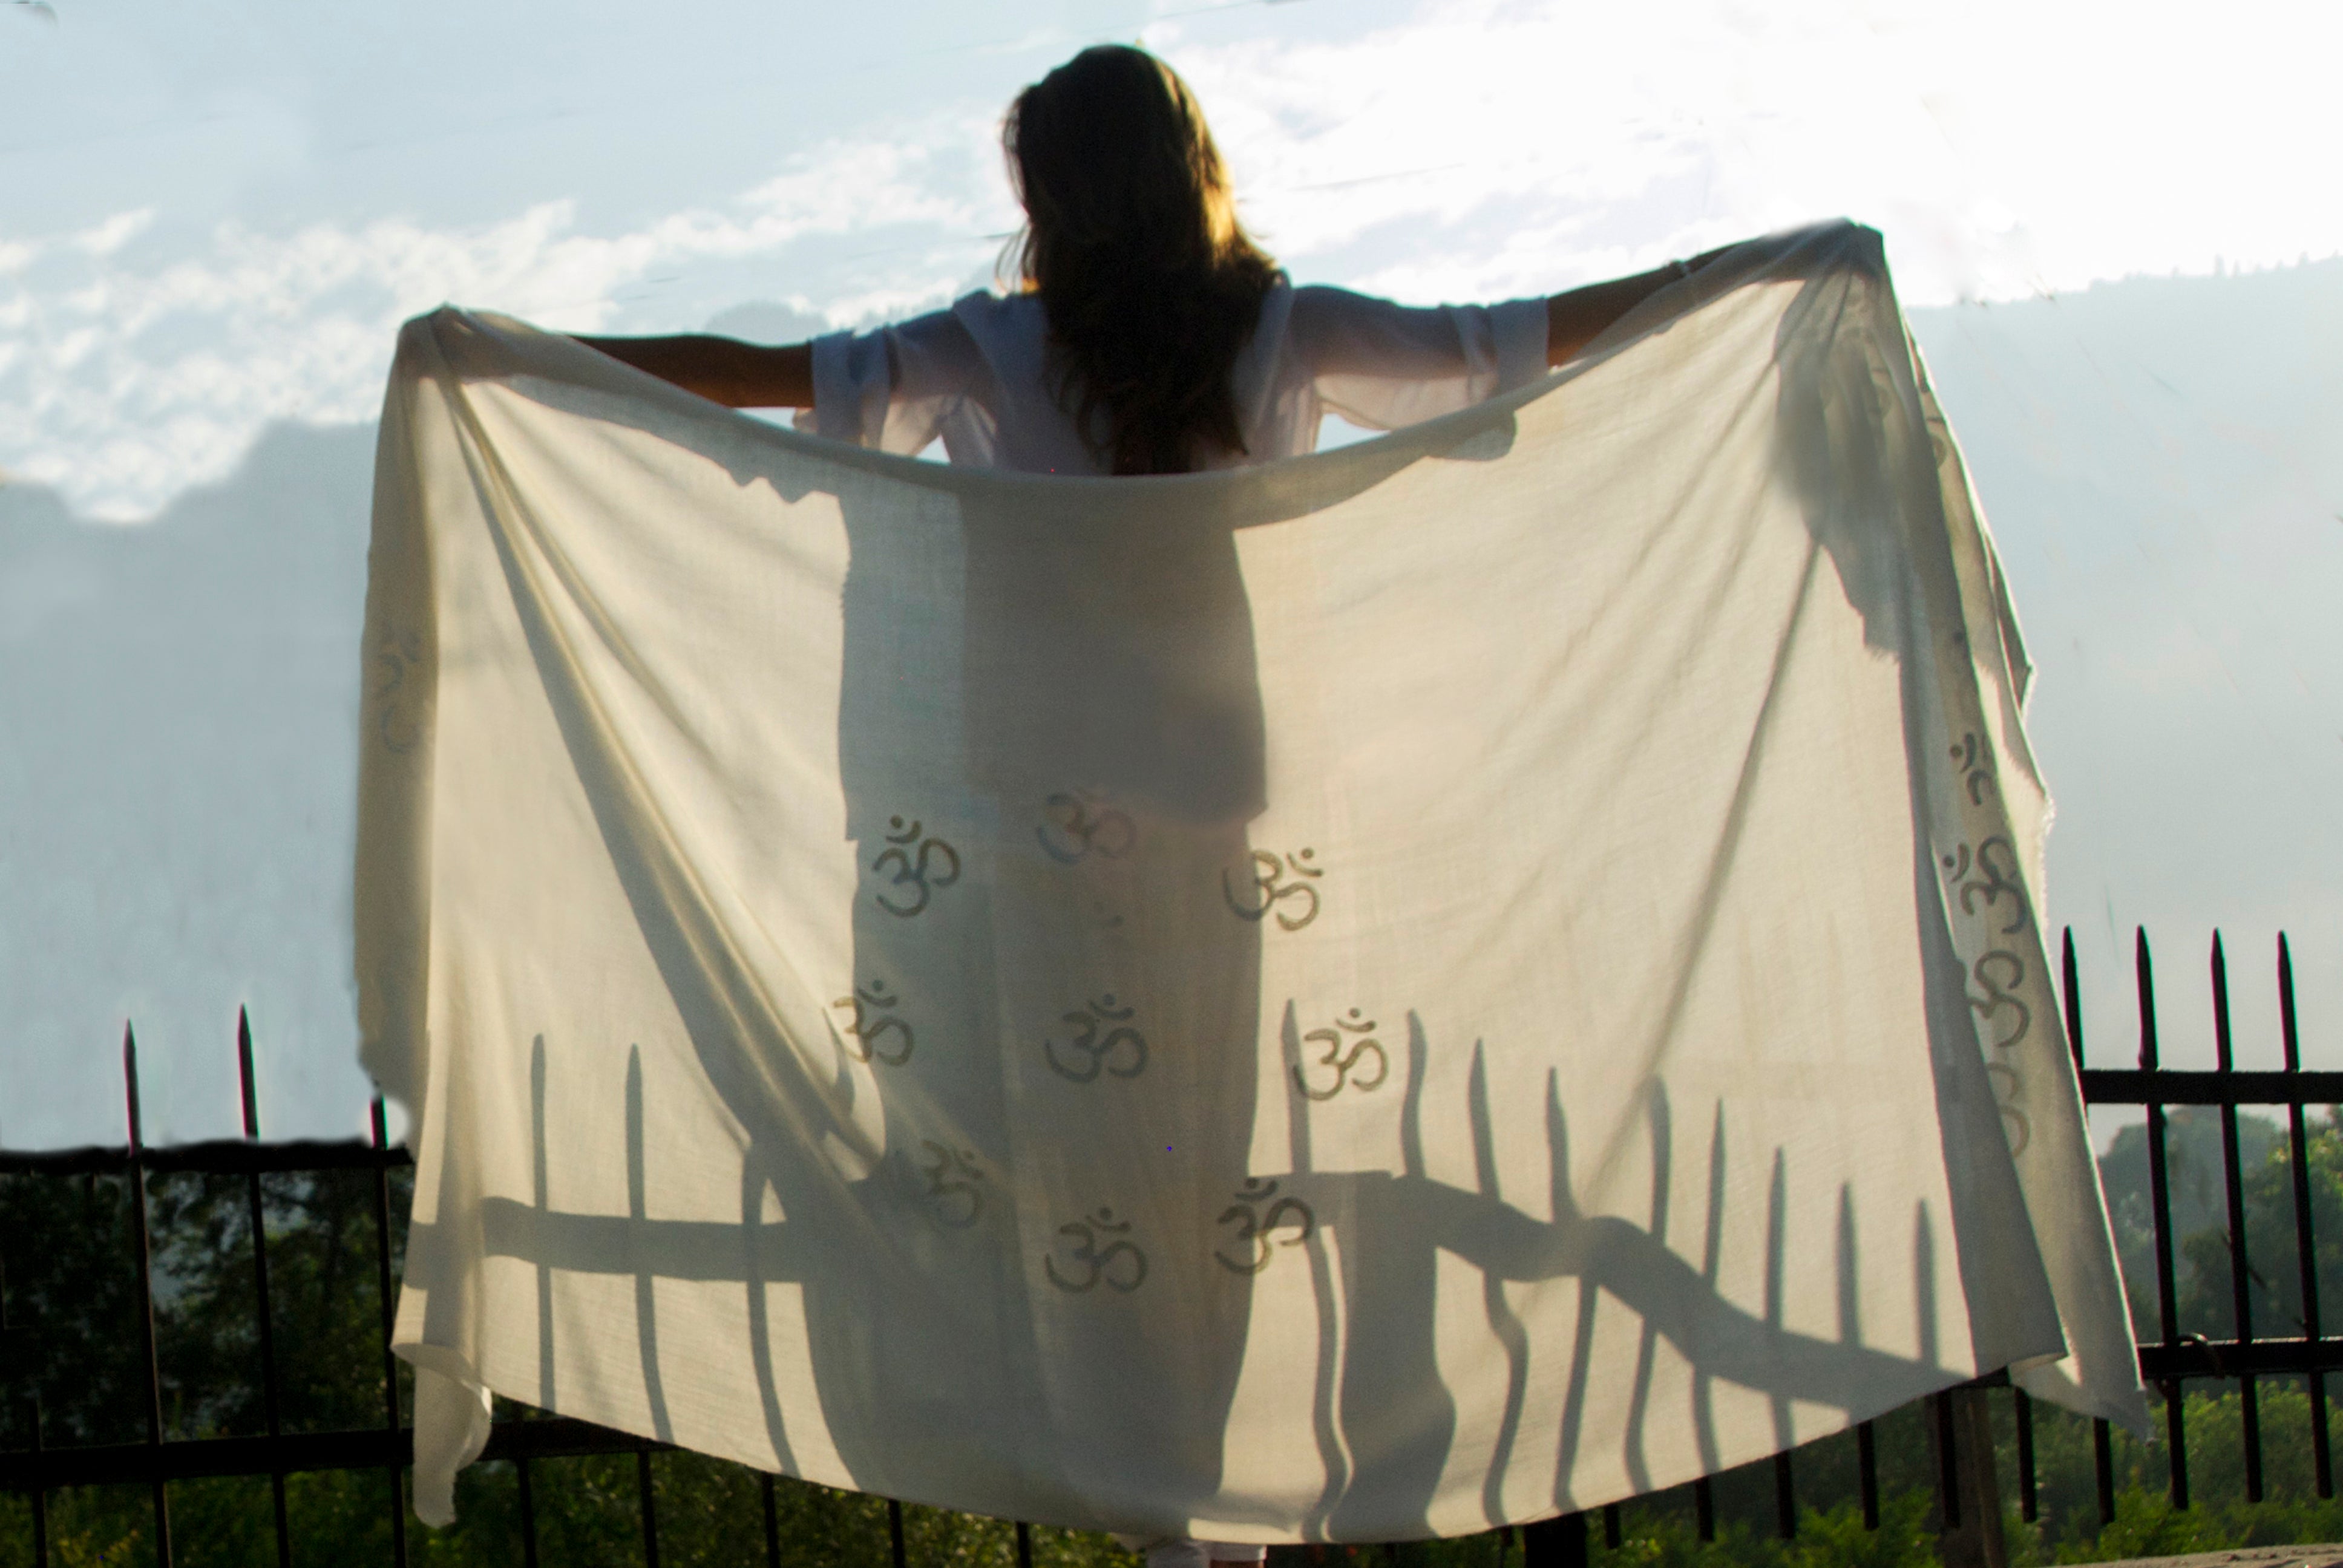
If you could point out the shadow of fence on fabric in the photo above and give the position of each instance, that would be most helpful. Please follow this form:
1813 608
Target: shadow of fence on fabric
80 1380
1372 1241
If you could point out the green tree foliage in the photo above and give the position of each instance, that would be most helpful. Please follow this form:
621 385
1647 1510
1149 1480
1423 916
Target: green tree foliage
2274 1289
2200 1204
1833 1537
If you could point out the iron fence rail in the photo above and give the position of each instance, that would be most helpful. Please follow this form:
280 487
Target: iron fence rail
2176 1357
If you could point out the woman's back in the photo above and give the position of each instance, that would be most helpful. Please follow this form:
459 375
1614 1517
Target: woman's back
981 377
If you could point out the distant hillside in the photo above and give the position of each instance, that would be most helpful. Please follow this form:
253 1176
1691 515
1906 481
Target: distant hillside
176 796
2160 459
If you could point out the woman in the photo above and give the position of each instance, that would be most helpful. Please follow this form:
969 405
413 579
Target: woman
1150 336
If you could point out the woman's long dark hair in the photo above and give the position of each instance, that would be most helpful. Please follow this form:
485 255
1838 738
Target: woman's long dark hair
1150 286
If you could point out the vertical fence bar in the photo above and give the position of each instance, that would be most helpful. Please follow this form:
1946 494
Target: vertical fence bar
2103 1458
1704 1508
648 1497
2160 1200
1024 1545
2306 1252
895 1531
1786 1499
1866 1466
1612 1527
1948 1472
2022 1418
2240 1268
147 1296
389 1304
772 1519
251 1096
527 1512
2103 1467
1557 1543
40 1496
2074 996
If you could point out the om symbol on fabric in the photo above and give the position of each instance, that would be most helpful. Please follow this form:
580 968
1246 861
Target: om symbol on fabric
913 855
1983 877
2004 1080
872 1023
401 651
1976 768
1089 1050
1118 1261
1998 972
1254 1224
1267 887
951 1177
1345 1062
1073 828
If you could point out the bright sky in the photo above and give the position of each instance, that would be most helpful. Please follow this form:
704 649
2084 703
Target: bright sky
214 214
217 210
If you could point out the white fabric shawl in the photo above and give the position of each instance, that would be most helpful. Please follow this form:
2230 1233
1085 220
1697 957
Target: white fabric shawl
1470 976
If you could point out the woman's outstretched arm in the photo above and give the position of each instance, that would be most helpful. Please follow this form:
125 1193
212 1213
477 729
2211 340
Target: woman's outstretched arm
751 376
1576 319
721 369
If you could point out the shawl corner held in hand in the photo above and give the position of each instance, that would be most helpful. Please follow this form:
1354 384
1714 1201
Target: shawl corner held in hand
1478 974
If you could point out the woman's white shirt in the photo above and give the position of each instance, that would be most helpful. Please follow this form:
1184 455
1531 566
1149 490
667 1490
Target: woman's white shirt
976 376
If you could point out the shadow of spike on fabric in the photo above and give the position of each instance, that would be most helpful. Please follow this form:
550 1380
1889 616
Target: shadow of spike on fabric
1777 1224
542 1205
1923 1279
1503 1322
1850 1298
637 1211
1639 1401
1712 1258
757 1184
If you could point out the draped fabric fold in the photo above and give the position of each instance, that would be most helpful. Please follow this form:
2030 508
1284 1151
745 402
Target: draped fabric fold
1367 997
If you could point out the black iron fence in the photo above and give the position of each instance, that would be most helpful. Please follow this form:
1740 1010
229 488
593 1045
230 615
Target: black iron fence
36 1470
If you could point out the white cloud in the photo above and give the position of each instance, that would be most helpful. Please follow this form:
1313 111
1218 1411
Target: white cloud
115 232
121 383
2007 147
